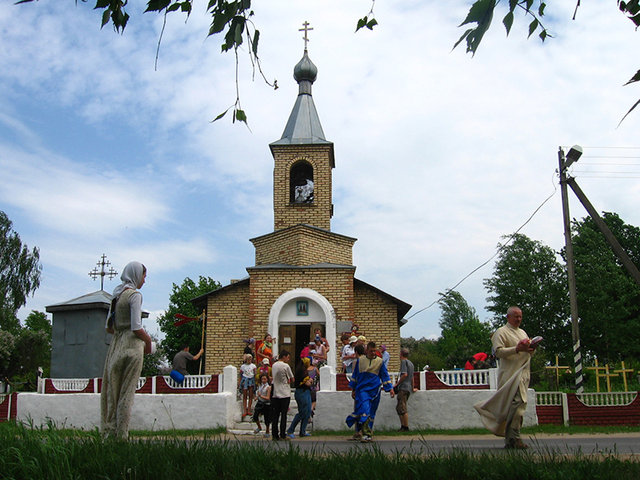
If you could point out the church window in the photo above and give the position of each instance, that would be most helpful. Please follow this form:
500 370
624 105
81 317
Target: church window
301 183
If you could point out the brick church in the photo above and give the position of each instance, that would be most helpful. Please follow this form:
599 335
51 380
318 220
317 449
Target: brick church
303 277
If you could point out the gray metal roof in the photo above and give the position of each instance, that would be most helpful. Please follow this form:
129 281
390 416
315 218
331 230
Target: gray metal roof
98 299
94 299
303 126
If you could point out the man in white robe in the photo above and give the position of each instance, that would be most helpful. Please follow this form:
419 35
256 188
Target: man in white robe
502 414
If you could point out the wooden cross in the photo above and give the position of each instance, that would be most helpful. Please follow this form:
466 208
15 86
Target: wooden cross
557 368
305 29
597 369
624 372
608 376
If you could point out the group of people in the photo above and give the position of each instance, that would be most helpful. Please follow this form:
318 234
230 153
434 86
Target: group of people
502 414
274 396
273 390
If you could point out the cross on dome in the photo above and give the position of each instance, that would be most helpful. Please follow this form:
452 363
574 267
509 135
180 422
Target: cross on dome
305 29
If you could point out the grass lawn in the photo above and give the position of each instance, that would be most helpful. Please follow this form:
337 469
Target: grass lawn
47 453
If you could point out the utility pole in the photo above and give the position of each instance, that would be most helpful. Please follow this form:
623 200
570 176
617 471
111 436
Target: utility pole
564 163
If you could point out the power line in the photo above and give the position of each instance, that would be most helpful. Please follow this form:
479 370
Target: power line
502 247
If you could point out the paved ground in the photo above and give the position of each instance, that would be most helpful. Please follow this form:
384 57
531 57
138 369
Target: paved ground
627 445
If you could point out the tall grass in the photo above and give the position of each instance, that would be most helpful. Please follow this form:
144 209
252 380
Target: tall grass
47 453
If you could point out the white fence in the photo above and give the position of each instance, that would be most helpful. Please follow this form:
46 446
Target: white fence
454 378
79 384
603 399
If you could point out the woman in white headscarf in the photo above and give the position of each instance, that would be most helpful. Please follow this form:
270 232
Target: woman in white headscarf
123 364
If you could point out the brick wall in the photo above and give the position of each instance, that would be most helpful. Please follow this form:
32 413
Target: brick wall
303 245
581 414
549 414
317 213
377 319
267 285
227 326
8 406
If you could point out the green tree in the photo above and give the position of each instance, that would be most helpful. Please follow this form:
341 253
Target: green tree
19 274
154 363
180 302
463 334
608 297
423 352
23 351
528 274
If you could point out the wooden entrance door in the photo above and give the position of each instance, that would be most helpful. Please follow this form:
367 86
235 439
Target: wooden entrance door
293 338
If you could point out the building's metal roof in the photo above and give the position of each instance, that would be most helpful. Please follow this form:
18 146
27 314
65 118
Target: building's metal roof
303 126
94 299
99 299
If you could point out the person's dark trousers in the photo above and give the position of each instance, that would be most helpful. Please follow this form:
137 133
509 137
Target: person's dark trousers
279 409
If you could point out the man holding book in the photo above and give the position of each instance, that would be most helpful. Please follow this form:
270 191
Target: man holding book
502 414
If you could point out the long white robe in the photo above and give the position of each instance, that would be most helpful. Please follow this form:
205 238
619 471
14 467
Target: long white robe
513 376
122 369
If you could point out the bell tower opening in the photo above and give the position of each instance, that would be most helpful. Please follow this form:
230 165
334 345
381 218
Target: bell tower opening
301 182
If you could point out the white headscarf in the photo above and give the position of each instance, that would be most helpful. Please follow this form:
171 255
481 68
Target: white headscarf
131 277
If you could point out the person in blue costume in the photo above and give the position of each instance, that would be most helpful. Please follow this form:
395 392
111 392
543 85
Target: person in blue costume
369 377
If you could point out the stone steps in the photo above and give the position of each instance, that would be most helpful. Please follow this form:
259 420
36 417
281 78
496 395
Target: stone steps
246 426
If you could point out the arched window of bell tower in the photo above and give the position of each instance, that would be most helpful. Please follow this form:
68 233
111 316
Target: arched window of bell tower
301 182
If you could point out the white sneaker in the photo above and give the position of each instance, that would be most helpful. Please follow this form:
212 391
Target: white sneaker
366 439
256 431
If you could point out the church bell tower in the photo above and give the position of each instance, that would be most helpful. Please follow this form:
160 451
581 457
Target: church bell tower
303 160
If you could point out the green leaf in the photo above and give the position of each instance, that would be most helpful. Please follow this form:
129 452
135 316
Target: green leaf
361 23
239 28
254 43
218 23
105 18
240 115
532 26
635 78
543 35
220 115
173 8
157 5
372 23
541 9
508 21
101 4
464 35
479 12
186 7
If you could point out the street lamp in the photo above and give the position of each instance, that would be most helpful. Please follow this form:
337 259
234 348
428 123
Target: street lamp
574 154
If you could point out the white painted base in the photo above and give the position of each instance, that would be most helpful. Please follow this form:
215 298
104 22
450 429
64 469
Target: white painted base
430 409
150 412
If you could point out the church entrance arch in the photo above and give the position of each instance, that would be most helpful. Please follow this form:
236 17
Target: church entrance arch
295 315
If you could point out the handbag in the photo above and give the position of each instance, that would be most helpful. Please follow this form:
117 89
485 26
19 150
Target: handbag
111 317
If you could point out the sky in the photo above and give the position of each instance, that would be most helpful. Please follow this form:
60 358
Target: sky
439 154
